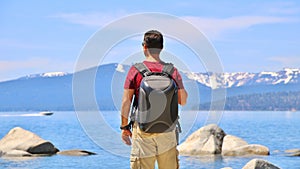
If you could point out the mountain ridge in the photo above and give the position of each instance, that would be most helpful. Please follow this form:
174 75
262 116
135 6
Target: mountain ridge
53 91
237 79
213 80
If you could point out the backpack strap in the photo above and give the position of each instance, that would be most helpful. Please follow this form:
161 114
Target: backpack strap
142 68
168 69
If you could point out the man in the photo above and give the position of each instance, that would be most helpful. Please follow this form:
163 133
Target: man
149 147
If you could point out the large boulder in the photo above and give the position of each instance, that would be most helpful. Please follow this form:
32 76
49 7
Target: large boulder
259 164
230 142
235 146
20 142
206 140
211 139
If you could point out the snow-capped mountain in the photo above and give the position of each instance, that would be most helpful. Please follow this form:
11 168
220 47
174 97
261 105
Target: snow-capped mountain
228 80
48 74
54 90
118 67
215 80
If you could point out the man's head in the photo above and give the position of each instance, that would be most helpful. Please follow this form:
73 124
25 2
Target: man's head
153 41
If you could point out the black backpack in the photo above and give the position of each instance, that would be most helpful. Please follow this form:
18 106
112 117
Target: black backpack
157 104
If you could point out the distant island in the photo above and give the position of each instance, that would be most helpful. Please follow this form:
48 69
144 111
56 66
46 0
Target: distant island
263 91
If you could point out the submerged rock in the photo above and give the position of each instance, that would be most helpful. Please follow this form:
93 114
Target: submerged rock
293 152
21 142
259 164
206 140
76 153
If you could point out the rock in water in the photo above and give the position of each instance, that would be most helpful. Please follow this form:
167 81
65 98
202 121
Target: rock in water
259 164
293 152
17 153
250 149
206 140
26 141
76 153
235 146
230 142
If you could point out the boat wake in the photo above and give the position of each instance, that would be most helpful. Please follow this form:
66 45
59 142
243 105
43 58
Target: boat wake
45 113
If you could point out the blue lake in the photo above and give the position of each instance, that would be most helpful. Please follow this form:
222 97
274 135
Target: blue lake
279 131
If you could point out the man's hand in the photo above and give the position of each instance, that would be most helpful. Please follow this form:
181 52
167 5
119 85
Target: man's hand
126 134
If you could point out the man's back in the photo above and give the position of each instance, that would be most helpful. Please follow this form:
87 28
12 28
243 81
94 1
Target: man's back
149 147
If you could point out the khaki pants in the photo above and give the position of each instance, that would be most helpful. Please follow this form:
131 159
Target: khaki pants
150 147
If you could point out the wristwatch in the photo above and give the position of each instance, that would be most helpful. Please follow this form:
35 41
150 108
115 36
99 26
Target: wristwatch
127 127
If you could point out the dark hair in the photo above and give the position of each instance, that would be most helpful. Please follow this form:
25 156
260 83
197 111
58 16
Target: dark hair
153 40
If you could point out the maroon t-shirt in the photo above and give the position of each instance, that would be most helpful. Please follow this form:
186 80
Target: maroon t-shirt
134 77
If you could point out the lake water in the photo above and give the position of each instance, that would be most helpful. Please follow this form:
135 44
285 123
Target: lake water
277 130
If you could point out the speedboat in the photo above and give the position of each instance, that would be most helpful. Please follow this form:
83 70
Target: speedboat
46 113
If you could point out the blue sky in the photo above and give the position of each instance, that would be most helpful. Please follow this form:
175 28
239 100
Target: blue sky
46 36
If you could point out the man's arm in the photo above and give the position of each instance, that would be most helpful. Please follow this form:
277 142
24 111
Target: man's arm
182 97
125 108
126 102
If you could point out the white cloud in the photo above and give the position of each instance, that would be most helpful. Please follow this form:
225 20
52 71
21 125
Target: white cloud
292 61
11 69
14 43
282 7
214 27
287 11
94 19
6 65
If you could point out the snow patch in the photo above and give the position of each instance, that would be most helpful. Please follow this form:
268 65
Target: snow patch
49 74
54 74
120 68
269 73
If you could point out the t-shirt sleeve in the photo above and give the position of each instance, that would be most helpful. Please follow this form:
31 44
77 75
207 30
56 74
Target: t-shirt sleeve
178 79
129 81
